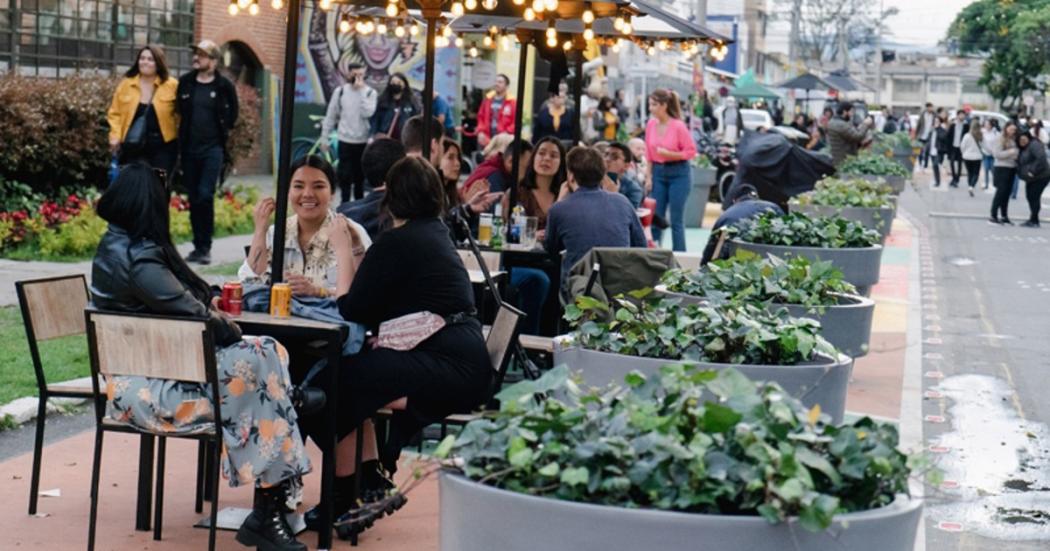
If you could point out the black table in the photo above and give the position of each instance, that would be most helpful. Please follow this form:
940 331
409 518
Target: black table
331 335
550 264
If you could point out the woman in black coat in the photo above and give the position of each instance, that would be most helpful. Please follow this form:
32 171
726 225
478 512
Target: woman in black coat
397 104
1032 167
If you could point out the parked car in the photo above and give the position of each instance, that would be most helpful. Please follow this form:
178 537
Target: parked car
753 118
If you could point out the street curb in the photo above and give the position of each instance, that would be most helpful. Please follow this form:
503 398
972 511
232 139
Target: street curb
23 410
910 426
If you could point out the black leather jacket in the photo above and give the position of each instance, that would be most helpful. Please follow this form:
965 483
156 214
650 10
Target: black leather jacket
136 277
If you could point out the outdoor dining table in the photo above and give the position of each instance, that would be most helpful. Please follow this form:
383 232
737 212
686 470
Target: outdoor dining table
519 256
327 339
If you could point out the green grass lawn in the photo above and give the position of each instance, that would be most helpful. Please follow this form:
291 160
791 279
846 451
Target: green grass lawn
64 359
228 269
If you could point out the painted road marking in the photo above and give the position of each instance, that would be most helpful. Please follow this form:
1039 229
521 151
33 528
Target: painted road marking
932 394
934 418
933 328
950 526
933 340
938 449
934 375
933 356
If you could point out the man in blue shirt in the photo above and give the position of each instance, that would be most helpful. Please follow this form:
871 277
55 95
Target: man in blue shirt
443 113
617 158
589 216
746 205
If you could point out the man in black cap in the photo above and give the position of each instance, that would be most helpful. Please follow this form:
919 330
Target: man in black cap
745 205
207 105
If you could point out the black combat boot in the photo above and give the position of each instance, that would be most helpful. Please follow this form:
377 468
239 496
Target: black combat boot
266 528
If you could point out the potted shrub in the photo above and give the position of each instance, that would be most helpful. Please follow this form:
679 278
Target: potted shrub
848 245
870 203
650 331
804 288
704 176
897 146
875 168
655 466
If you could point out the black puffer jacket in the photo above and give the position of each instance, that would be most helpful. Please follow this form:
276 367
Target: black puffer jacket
1032 164
138 277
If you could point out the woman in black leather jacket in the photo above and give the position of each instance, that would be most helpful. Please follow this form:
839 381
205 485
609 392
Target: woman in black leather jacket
137 269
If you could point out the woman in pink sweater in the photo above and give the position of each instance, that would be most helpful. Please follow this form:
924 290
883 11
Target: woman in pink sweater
669 147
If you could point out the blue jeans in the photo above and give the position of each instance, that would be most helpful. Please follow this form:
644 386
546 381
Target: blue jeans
671 183
1017 184
533 285
989 164
200 175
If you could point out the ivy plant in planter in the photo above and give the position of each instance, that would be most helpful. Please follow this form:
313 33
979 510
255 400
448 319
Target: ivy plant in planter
803 288
848 245
876 167
864 201
650 331
660 465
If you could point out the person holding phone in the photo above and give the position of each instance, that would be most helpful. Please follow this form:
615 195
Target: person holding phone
350 112
617 158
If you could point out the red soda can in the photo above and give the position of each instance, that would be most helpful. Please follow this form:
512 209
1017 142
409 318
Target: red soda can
281 300
232 294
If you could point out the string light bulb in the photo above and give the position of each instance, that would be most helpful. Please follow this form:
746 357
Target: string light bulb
552 42
253 9
470 4
399 31
459 41
588 33
539 6
519 2
457 9
381 28
618 23
243 4
551 5
551 31
446 32
233 9
277 4
489 4
616 47
529 15
651 50
487 41
391 10
627 28
504 43
567 45
414 30
473 51
588 13
344 25
325 4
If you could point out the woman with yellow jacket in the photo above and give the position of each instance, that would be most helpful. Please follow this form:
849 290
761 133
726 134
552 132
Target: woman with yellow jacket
142 119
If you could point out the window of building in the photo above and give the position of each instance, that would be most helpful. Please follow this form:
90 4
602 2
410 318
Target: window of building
944 86
970 86
58 37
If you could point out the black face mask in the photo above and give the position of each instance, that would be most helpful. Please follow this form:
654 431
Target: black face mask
395 88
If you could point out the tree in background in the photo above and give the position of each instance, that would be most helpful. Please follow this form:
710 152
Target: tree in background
823 24
1012 34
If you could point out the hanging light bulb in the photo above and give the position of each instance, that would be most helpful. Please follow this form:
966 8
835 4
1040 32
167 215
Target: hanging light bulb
325 4
473 51
233 9
344 25
519 2
413 30
504 43
459 41
471 5
551 5
487 41
551 31
277 4
440 42
381 28
588 33
399 31
457 9
243 4
651 51
627 27
391 10
539 6
616 47
552 42
663 45
253 8
493 30
588 13
618 23
446 32
567 45
489 4
529 15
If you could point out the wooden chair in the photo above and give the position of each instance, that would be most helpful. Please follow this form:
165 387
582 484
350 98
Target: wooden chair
51 308
145 345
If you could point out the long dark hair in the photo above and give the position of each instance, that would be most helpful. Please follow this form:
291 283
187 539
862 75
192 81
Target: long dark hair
137 202
408 97
451 193
559 177
668 97
413 190
158 58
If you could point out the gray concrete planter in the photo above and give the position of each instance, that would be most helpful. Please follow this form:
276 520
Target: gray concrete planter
822 382
860 266
905 158
475 517
896 183
847 325
703 179
878 219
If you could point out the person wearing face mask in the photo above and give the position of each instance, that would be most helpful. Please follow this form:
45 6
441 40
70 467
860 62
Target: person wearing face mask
496 114
207 105
396 105
142 123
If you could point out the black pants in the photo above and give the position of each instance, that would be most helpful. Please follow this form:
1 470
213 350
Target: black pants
955 164
937 160
351 173
1033 191
200 174
973 172
924 154
158 154
1003 179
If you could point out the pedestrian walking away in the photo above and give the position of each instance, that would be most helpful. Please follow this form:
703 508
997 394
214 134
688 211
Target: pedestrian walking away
923 129
972 153
939 144
991 135
669 148
207 105
1006 153
956 131
349 113
141 116
1032 167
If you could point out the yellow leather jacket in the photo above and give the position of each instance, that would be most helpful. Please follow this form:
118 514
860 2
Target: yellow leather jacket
126 101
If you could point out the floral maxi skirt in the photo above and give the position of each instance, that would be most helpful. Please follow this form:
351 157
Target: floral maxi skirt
261 441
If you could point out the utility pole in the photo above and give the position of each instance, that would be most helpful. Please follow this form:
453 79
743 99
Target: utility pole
843 43
878 57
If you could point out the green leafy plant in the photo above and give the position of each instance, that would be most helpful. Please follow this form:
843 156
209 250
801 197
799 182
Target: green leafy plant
663 443
887 144
872 165
748 277
798 230
702 161
852 192
656 327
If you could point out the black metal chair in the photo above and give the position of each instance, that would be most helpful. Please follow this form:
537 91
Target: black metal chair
160 347
51 308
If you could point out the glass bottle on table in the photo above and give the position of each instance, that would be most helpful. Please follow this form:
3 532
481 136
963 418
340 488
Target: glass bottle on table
496 242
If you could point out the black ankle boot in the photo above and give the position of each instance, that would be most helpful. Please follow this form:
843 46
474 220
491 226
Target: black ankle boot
266 528
343 490
307 400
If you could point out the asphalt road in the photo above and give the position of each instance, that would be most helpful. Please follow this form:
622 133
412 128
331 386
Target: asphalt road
986 368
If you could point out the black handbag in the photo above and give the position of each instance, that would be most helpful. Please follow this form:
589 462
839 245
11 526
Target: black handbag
135 139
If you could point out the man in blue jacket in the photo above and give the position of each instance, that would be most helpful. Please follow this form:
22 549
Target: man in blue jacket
746 205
